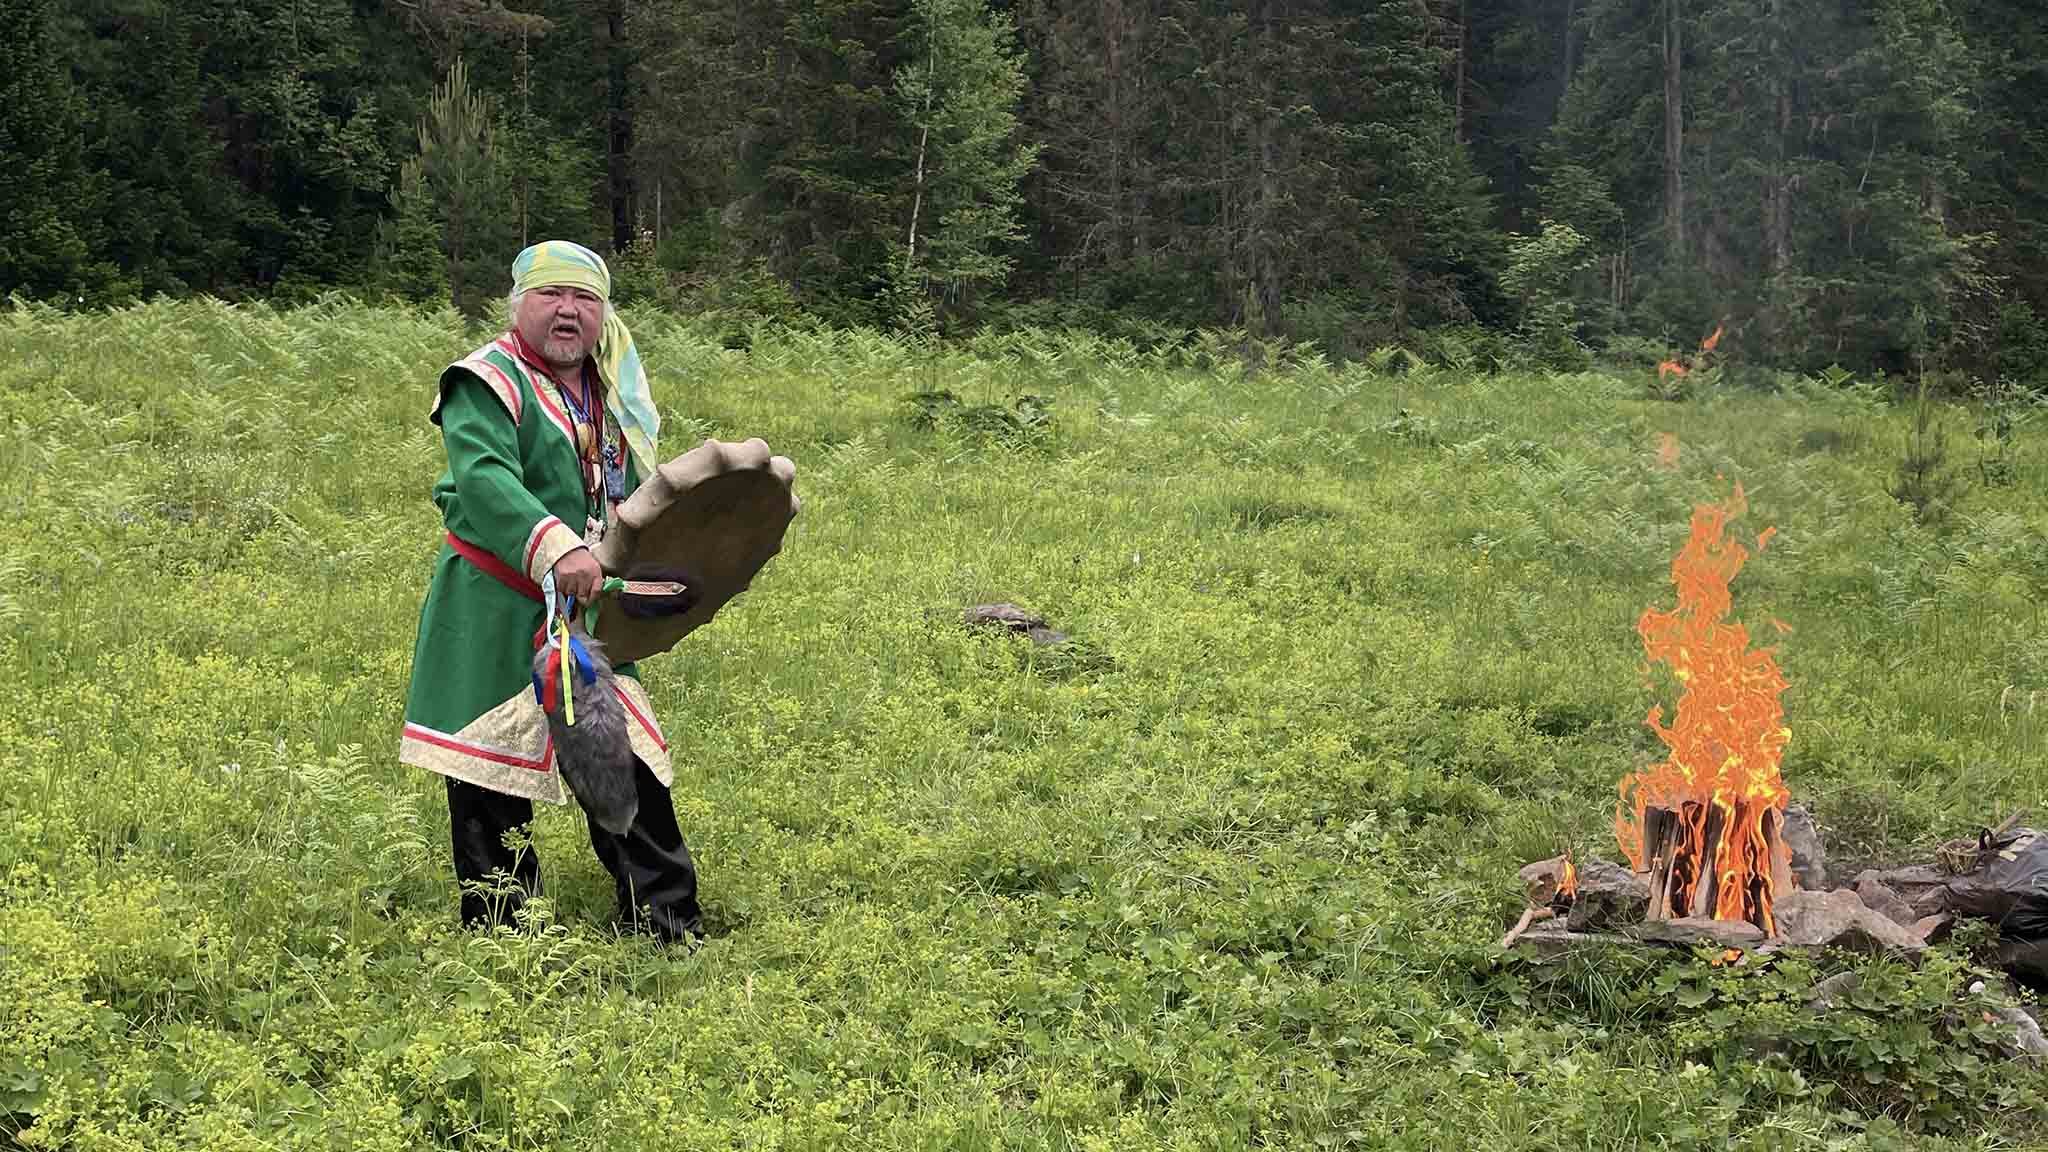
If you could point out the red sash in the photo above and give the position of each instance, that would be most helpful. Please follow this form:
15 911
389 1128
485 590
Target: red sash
494 568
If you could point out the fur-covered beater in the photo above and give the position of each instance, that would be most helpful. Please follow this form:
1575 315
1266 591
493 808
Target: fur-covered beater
595 754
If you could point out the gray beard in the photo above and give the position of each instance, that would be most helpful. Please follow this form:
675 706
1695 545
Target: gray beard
563 353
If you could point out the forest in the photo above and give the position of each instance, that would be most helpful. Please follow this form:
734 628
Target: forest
1827 182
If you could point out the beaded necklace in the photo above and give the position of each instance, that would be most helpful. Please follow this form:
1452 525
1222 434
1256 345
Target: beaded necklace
597 451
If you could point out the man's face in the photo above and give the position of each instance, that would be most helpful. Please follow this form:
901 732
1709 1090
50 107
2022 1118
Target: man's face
563 323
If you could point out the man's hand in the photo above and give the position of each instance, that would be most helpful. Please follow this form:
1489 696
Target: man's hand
577 574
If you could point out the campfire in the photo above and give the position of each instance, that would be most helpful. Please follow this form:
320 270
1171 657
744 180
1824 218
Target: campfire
1703 826
1707 832
1717 855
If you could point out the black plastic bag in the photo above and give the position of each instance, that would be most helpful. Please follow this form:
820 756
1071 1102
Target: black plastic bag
2009 887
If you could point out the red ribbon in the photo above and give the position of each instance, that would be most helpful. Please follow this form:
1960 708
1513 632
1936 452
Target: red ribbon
551 683
495 568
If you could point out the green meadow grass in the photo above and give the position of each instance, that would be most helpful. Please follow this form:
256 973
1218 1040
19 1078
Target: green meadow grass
1229 870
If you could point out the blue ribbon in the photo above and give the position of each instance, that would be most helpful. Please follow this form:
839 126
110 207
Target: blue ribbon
583 664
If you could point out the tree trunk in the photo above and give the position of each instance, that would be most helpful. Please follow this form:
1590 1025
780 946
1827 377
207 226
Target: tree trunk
1777 190
525 130
1564 82
619 160
1781 192
1674 131
916 198
924 136
1261 227
1458 86
1265 270
1135 167
1112 14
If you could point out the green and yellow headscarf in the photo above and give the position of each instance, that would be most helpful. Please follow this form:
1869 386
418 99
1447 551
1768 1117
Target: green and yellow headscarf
627 397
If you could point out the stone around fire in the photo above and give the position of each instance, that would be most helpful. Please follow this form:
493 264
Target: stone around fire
1922 886
1881 898
1840 919
1809 859
1688 930
1609 896
1541 880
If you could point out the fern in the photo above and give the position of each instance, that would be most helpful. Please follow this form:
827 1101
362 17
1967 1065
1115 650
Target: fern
13 577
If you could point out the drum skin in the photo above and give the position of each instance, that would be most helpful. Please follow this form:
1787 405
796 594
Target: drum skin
710 518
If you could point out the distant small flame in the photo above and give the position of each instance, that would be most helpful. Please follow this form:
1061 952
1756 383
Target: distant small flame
1669 368
1568 883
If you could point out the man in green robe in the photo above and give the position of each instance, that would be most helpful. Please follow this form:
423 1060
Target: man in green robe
547 429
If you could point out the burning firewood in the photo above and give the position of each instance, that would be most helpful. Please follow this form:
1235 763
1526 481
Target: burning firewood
1549 882
1549 887
1706 827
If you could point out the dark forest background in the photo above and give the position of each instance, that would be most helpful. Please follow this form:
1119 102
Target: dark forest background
1833 182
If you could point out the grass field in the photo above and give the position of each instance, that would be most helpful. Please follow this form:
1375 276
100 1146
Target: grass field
1227 871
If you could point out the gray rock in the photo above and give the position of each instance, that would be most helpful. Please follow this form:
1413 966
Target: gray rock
1809 858
1879 897
2026 1031
2027 1039
1690 930
1923 886
1840 919
1609 896
1552 939
1540 880
1013 618
1007 615
1934 929
1832 989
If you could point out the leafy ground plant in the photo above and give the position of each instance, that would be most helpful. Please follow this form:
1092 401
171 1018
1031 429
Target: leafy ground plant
1231 877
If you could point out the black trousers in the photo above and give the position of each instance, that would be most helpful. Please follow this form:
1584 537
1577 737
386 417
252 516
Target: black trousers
649 864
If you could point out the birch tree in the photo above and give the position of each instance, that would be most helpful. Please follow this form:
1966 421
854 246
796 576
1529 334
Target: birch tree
958 94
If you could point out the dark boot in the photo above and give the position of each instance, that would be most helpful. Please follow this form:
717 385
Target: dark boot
650 864
478 819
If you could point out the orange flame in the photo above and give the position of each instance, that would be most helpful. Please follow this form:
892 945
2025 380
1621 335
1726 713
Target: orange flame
1669 368
1568 883
1728 739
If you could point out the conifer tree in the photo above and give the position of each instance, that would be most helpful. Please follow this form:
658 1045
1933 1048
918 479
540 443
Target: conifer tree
412 263
958 97
46 246
457 166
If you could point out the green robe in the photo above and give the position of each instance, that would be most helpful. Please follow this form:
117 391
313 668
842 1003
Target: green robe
513 489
